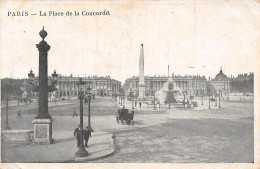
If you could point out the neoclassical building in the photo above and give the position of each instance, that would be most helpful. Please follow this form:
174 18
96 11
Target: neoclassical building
221 83
191 85
100 86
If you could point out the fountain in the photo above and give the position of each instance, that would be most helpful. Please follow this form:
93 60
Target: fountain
169 93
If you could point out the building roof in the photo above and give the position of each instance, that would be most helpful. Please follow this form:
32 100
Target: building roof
221 76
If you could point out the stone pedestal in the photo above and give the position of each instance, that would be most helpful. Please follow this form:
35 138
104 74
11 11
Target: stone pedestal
141 93
42 131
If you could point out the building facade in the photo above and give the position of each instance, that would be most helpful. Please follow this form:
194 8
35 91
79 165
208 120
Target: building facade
100 86
221 83
190 85
67 86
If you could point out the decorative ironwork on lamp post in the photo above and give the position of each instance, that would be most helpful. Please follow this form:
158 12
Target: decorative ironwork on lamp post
81 150
89 98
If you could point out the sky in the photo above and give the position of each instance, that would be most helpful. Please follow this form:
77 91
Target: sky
193 37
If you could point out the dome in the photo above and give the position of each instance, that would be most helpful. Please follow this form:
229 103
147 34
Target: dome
221 76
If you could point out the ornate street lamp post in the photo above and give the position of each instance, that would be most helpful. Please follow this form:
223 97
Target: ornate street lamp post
154 101
81 150
209 101
7 107
216 99
184 101
43 121
219 101
202 97
89 98
131 93
124 99
121 98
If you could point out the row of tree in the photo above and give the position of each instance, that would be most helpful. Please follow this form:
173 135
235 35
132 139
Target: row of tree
244 86
12 89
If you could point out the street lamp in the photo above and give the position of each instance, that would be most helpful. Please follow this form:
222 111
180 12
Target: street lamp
81 150
219 100
202 97
131 93
184 101
209 101
154 101
89 98
7 106
216 100
121 97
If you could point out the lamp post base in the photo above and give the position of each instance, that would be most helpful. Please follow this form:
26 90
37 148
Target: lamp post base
82 152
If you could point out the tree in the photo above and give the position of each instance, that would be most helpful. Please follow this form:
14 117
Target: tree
9 88
210 89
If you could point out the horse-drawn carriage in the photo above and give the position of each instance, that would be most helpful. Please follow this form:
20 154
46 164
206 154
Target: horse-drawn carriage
125 116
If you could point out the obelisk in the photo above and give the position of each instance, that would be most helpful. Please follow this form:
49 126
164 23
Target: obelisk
141 75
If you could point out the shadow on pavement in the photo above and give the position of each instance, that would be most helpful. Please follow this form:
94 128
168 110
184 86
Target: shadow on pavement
64 140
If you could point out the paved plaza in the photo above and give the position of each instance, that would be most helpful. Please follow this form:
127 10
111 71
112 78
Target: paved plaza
177 135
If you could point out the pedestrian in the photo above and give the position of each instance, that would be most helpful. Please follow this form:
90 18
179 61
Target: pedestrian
75 112
87 134
140 104
77 135
135 103
19 114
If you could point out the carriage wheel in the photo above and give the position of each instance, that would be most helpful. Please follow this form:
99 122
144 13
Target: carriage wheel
117 120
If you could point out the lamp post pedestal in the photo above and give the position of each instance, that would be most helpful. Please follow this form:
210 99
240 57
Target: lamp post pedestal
82 152
42 131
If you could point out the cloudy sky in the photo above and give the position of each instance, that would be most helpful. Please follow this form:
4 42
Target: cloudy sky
192 37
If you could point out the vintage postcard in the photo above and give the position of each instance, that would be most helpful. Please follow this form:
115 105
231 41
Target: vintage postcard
130 84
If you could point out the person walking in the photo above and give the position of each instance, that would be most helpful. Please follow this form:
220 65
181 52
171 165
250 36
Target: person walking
74 112
87 134
140 104
19 114
77 135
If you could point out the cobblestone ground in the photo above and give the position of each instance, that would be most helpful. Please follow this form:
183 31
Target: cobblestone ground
221 135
